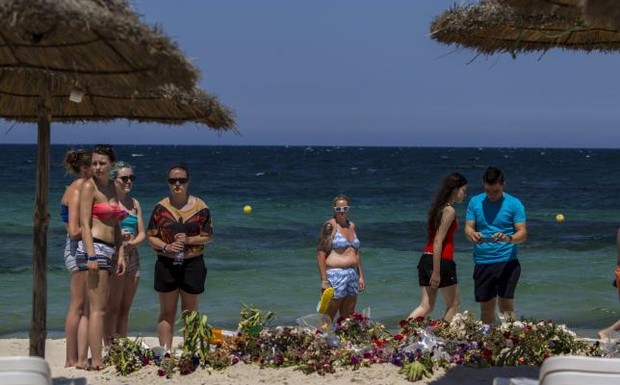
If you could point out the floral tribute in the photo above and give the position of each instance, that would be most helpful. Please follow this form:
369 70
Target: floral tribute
418 349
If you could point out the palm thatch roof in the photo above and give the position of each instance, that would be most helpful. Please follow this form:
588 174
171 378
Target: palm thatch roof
570 8
165 104
603 11
126 69
99 44
596 11
493 26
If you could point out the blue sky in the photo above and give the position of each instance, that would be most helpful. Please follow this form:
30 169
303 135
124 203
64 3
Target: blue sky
365 72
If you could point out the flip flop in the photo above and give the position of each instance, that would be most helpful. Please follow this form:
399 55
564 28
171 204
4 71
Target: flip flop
326 298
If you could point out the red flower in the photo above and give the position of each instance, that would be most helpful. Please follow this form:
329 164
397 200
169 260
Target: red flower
403 323
380 342
358 316
399 337
487 354
161 372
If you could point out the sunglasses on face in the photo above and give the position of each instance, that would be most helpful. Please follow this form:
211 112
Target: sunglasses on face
341 209
127 178
177 180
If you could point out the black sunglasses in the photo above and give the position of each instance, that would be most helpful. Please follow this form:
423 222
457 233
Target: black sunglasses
177 180
127 178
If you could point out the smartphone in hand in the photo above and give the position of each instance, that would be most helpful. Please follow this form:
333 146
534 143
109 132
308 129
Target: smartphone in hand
487 239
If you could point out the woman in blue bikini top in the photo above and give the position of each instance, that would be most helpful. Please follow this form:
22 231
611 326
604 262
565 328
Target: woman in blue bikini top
339 261
340 242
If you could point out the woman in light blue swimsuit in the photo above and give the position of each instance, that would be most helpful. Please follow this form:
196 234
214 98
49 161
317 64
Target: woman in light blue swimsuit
339 261
123 288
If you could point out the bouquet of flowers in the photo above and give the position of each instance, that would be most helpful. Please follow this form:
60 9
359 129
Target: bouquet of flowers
421 346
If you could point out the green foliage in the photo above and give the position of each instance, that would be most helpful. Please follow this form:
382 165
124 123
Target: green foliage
196 335
415 371
127 356
253 320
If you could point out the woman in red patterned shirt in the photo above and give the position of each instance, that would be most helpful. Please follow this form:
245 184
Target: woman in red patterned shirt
178 230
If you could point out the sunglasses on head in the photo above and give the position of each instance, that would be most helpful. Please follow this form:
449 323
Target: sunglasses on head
102 147
127 178
341 209
177 180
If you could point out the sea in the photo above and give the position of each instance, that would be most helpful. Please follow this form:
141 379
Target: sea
267 258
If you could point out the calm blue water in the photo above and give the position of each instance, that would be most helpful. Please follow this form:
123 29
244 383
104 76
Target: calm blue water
267 258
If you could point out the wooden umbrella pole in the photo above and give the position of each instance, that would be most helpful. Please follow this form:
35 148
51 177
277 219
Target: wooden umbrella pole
38 326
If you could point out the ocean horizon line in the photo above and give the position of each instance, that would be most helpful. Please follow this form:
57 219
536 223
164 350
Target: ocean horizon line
324 146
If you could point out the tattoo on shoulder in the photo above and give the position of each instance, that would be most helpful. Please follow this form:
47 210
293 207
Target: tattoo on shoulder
327 230
325 240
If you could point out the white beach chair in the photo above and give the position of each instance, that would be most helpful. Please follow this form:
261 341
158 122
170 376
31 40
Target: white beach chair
24 370
571 370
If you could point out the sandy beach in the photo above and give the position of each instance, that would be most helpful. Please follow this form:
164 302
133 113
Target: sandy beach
252 374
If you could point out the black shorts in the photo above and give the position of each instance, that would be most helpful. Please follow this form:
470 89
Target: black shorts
189 277
447 275
496 280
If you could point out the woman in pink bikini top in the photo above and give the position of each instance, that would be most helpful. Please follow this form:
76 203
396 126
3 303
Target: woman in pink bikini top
101 239
105 210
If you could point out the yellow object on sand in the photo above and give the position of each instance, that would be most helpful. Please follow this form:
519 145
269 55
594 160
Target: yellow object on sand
218 336
326 298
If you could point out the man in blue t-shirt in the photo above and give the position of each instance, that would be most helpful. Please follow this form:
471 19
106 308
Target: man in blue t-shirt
495 222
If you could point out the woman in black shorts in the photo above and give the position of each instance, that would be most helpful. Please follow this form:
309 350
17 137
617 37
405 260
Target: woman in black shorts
436 269
178 230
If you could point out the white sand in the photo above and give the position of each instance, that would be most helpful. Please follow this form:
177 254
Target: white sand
240 374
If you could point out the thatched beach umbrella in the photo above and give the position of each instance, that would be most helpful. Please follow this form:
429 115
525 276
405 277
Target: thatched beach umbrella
493 26
165 104
605 12
97 46
88 49
570 8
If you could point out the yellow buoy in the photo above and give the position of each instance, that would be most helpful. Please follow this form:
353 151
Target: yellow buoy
559 218
247 209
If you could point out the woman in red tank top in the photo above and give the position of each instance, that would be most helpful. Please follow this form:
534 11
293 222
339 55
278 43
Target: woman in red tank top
436 269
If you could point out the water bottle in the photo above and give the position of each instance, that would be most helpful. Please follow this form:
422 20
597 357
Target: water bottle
178 258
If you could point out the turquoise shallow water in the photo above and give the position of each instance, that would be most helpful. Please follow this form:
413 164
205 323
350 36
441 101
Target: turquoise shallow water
267 258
